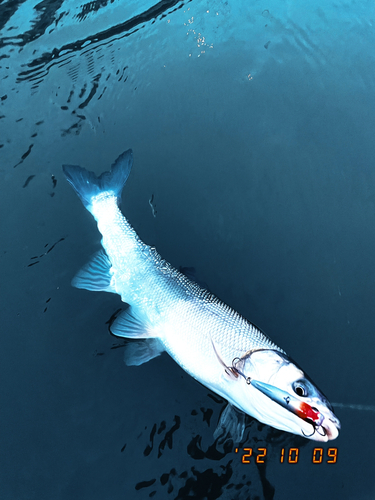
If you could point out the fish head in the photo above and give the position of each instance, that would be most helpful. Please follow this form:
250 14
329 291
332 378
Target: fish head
274 390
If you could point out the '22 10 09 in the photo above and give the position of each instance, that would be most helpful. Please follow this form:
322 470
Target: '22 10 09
289 456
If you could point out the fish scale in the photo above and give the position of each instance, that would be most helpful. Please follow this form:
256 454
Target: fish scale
127 251
176 301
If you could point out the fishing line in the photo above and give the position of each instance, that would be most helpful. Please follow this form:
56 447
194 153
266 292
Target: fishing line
355 407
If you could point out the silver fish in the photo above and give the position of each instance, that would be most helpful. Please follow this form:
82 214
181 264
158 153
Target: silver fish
209 340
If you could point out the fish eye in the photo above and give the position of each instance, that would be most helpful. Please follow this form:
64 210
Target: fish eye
300 388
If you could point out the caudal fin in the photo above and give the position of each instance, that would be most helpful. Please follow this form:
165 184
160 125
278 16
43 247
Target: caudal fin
87 185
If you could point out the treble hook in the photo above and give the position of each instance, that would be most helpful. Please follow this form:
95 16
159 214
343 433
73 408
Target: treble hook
235 369
324 430
315 429
313 432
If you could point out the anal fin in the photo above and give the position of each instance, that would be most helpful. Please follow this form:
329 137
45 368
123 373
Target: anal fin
138 352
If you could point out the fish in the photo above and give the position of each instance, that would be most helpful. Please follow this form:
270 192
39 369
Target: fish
168 311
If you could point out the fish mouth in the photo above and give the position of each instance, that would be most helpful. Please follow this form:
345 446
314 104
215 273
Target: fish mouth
330 426
332 431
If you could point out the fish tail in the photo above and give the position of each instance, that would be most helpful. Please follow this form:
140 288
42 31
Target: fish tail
87 185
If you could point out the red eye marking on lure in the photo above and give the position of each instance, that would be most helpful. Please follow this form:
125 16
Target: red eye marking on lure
307 412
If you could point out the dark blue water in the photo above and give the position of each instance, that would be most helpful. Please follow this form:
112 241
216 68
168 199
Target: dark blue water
252 126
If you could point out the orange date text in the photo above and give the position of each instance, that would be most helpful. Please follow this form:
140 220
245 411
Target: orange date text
288 455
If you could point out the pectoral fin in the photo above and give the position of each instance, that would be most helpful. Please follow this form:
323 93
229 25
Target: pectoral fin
231 424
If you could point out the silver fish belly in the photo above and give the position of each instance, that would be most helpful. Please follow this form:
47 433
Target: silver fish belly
169 312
